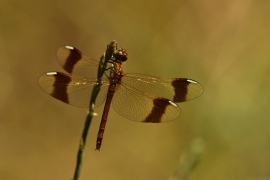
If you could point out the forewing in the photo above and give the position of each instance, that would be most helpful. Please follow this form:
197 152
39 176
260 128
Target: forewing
75 62
174 89
72 89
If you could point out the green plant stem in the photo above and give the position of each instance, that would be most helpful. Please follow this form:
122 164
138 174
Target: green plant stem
102 68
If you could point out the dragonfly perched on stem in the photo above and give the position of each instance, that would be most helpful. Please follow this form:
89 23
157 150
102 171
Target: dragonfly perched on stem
137 97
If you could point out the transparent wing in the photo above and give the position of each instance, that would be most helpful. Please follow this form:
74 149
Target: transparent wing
175 89
140 107
75 62
72 89
150 99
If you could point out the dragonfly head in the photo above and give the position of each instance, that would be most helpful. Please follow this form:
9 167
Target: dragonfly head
120 55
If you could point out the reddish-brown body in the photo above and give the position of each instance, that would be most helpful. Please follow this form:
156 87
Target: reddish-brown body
117 72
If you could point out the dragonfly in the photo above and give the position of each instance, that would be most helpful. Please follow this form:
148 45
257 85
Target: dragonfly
137 97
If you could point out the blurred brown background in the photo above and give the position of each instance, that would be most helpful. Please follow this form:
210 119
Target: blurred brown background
222 44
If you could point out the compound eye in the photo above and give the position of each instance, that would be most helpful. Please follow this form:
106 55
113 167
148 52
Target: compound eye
120 55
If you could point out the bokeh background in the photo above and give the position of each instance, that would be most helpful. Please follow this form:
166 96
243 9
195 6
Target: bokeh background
222 44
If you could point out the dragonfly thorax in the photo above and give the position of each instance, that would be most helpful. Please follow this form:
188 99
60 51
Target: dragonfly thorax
117 72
